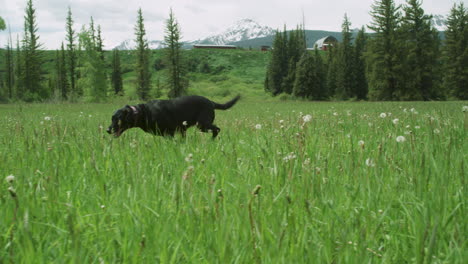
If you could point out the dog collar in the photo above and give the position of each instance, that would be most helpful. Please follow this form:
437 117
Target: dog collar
135 111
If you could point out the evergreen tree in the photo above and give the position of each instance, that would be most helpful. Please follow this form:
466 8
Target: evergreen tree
2 24
382 56
456 53
93 69
143 55
71 54
331 70
9 69
296 46
116 76
319 88
32 58
176 73
99 44
421 47
360 88
61 74
345 68
19 84
278 68
305 71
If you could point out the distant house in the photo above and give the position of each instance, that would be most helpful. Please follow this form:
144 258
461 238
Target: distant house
265 48
208 46
325 43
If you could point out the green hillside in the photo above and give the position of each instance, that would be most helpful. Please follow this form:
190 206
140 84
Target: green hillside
214 73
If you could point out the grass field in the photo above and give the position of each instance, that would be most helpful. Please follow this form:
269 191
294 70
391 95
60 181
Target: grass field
351 183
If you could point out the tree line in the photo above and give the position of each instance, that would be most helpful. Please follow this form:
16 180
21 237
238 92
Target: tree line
80 65
403 59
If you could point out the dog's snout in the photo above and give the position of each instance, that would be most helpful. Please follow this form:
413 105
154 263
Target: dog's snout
109 130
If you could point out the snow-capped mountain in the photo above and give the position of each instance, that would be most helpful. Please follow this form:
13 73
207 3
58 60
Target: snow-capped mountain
242 30
130 44
439 22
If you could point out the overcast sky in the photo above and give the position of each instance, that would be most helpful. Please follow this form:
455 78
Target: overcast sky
198 19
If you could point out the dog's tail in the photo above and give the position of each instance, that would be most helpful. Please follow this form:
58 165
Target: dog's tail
226 105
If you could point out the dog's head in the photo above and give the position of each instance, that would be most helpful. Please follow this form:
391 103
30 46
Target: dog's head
123 119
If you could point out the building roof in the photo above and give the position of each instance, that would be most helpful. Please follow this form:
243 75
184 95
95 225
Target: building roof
326 39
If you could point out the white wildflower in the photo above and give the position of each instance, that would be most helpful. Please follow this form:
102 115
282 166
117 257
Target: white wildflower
281 121
306 118
258 126
184 123
436 131
289 157
383 115
417 127
370 162
400 139
47 118
361 143
189 157
465 108
335 114
395 121
10 178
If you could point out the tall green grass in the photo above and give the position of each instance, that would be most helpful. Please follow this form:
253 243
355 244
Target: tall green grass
271 188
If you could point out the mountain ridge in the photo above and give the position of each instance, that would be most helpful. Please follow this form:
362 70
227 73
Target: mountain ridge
247 33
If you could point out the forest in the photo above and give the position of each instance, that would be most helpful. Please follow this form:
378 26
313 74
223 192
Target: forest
400 56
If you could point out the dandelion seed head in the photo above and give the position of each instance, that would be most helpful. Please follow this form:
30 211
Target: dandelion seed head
395 121
307 118
184 123
436 131
465 108
361 143
10 178
258 126
47 118
370 162
383 115
189 157
400 139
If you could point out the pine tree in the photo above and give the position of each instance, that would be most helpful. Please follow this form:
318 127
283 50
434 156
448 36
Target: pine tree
277 70
360 88
2 24
421 47
176 73
456 53
143 55
305 71
296 46
32 57
9 68
345 67
61 74
99 44
19 84
71 54
331 70
319 88
116 76
383 57
93 69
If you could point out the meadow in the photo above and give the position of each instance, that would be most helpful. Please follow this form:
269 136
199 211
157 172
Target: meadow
284 182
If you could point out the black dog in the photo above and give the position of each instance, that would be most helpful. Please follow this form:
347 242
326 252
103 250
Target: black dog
165 117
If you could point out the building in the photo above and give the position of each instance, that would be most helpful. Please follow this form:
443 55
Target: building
209 46
325 43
